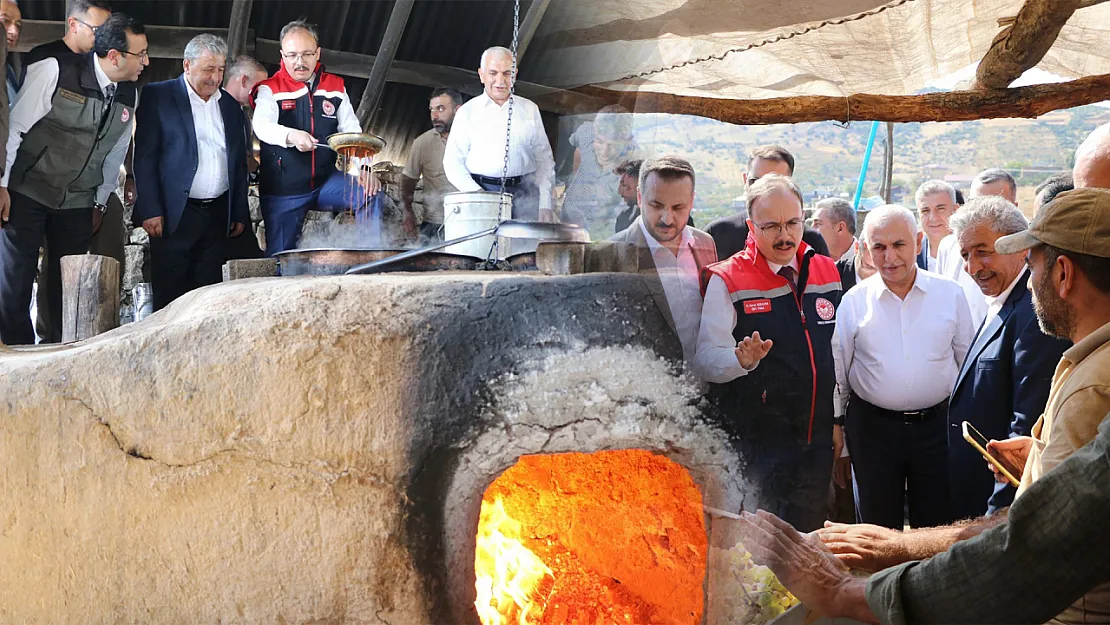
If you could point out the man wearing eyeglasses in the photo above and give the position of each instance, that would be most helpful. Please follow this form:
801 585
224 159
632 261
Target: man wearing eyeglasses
69 134
296 109
765 342
82 20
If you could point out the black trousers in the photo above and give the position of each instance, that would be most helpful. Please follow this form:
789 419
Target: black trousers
192 255
893 461
66 232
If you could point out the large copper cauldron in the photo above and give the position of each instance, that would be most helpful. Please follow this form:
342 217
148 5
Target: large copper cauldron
324 261
340 142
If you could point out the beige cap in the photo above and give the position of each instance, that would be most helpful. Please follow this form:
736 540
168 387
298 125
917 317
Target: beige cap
1076 221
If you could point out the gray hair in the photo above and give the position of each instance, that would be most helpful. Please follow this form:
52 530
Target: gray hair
992 211
883 215
296 25
767 185
929 187
244 66
495 50
987 176
838 210
205 43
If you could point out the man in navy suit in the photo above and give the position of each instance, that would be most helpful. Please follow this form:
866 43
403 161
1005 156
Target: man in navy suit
1003 385
191 171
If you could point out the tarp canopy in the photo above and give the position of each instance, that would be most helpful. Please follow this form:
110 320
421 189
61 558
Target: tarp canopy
754 49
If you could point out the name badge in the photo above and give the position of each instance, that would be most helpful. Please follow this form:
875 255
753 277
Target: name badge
288 105
72 96
755 306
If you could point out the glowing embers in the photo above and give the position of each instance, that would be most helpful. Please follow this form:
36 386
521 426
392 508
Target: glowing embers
602 538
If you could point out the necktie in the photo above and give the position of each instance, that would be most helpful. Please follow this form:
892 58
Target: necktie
109 96
790 275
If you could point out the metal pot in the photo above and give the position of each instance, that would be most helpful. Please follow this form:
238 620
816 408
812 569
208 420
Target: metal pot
342 140
336 261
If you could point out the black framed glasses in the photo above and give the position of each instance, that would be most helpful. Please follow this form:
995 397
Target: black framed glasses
143 56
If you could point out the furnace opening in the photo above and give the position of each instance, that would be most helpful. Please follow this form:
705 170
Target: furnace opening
606 537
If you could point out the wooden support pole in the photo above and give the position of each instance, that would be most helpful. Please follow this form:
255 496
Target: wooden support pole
90 296
1023 44
375 84
1031 101
237 30
528 27
888 164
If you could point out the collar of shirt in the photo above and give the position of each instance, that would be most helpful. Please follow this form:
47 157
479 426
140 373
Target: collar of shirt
920 282
488 101
656 246
199 100
1076 353
997 302
101 78
850 255
793 263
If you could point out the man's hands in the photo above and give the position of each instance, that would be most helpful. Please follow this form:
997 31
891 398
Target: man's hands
5 205
236 229
866 547
301 140
842 467
1012 452
153 226
805 567
367 180
129 192
751 350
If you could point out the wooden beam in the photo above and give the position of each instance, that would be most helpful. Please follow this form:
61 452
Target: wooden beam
355 65
379 71
951 106
1024 43
339 23
528 27
237 30
165 42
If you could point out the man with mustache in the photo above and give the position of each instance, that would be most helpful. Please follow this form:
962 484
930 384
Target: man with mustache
672 253
295 109
191 168
1003 385
69 133
426 160
765 341
901 338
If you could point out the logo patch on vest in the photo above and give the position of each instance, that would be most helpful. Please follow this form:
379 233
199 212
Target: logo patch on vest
288 105
755 306
329 108
72 96
126 115
825 309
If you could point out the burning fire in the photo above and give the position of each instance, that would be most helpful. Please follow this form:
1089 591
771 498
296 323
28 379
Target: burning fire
508 573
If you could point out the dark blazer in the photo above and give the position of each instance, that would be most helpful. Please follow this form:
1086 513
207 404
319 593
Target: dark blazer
923 255
731 235
166 154
1002 390
847 269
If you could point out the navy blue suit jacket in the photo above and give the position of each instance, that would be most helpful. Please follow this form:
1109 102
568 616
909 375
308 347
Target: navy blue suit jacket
166 154
1002 390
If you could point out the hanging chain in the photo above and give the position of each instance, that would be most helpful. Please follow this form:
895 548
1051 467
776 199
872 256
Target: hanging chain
491 257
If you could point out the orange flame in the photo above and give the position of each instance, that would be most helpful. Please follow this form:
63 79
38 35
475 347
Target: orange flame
507 572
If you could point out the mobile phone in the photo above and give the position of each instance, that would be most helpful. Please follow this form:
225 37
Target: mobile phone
979 442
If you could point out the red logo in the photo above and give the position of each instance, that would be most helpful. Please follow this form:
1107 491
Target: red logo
754 306
329 108
125 116
288 105
825 309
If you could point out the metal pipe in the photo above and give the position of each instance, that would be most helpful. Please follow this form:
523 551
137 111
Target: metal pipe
866 162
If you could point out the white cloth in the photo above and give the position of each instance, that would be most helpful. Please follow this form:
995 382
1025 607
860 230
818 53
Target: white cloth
715 357
477 145
210 180
36 99
679 276
995 304
900 354
268 130
950 264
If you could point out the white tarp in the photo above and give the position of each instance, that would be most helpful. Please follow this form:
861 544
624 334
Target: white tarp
835 47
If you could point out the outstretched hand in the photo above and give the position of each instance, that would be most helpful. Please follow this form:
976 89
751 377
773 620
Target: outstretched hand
751 350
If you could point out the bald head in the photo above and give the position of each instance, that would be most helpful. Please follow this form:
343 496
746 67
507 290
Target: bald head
1092 160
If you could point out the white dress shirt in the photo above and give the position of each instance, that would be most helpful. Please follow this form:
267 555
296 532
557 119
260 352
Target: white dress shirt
950 264
715 358
477 145
36 99
900 354
850 255
995 304
679 276
210 181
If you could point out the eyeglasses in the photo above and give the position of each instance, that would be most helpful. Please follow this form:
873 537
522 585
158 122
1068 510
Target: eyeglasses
143 56
87 25
775 229
292 56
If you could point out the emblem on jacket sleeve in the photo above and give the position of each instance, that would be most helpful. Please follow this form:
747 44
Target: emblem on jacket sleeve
126 115
825 309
